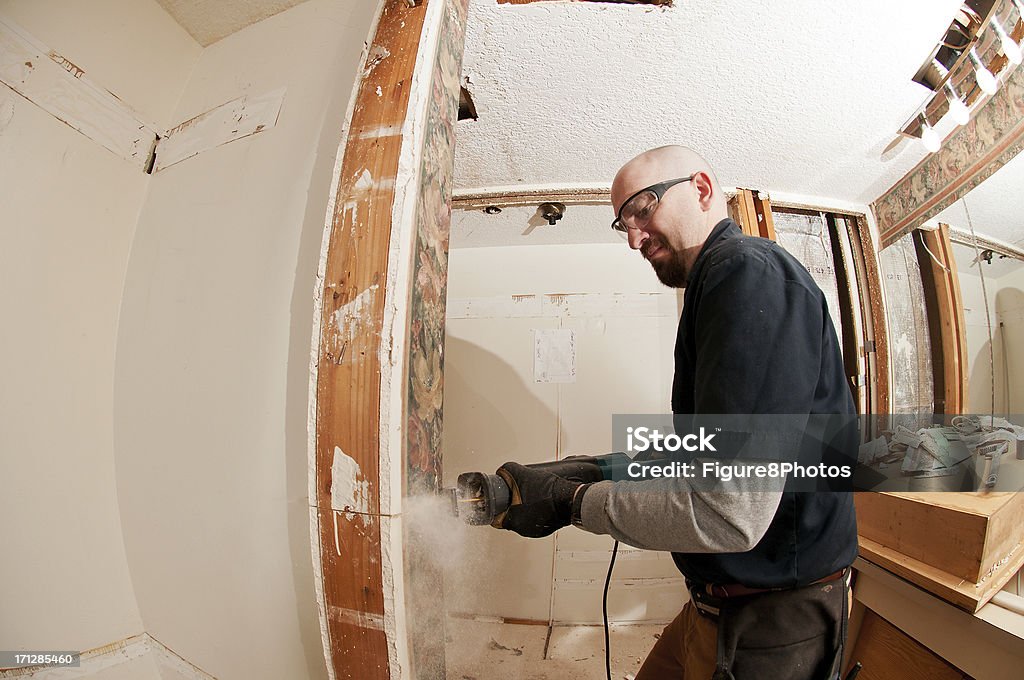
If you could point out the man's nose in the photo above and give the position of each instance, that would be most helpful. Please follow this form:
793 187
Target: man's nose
636 238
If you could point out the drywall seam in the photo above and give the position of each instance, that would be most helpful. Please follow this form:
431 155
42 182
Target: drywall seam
59 87
394 340
314 354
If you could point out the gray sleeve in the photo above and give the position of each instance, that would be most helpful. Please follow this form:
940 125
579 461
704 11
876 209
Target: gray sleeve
677 515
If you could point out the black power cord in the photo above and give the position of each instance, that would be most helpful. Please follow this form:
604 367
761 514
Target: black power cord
604 610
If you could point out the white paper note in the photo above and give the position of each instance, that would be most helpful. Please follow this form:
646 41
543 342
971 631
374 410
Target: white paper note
554 355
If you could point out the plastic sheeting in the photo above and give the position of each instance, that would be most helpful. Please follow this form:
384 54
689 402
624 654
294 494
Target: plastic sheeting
806 238
910 346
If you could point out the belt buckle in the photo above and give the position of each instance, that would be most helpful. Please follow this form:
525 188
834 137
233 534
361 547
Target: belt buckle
706 609
702 600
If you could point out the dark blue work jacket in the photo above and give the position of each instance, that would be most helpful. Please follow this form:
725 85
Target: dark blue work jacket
755 337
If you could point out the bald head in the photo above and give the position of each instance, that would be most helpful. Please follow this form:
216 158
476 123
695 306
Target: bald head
671 237
658 165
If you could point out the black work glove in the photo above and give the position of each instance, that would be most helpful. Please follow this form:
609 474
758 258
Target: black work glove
541 501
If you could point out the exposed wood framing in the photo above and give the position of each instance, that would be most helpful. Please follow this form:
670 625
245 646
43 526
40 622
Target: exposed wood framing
753 212
505 198
978 550
741 209
876 338
945 318
763 215
385 259
853 310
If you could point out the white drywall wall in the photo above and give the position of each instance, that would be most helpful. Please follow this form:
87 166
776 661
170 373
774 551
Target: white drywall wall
213 354
68 210
1005 295
1010 309
624 325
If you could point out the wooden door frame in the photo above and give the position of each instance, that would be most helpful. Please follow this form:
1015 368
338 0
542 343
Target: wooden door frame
376 383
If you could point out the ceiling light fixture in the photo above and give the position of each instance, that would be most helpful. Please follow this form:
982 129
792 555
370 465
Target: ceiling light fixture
986 81
1010 48
929 137
958 111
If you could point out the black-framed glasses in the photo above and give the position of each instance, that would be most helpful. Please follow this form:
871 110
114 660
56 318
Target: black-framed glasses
636 210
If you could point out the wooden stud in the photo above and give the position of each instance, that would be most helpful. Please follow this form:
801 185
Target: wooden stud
366 557
945 319
742 211
349 369
763 215
876 336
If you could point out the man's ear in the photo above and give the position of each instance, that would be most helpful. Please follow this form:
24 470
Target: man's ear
705 189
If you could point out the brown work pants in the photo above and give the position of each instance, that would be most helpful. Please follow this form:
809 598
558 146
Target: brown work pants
685 650
786 635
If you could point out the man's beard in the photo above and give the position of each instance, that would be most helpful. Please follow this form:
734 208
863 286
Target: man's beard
670 270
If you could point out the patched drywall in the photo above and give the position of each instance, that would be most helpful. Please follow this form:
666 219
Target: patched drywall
800 97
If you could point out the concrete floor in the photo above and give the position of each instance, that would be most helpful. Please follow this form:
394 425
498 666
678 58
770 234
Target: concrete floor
484 650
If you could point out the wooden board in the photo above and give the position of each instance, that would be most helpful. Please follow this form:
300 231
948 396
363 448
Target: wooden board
871 284
349 367
742 211
378 369
763 215
961 547
965 534
945 318
242 117
59 87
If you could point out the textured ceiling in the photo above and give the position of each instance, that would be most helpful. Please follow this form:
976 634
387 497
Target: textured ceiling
210 20
799 96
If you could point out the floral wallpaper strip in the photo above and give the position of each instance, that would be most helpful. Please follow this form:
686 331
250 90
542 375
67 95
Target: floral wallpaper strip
430 273
424 578
969 157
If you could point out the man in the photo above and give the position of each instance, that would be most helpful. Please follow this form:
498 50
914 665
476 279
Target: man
766 567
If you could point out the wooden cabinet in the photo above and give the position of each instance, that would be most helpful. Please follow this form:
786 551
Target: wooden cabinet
887 653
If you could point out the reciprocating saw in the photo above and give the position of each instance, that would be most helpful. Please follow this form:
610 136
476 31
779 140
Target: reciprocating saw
480 498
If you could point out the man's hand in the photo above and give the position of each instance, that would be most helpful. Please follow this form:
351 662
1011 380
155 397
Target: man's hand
541 501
